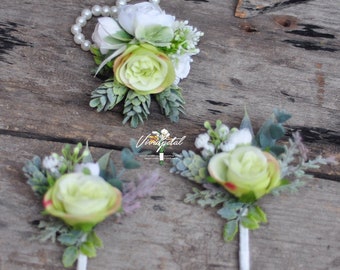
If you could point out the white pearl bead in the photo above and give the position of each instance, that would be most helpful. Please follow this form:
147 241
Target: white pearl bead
120 3
75 29
81 21
87 13
96 10
105 11
114 10
86 45
79 38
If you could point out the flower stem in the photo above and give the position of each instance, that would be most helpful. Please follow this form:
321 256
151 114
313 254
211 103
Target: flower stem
244 258
82 262
161 158
82 258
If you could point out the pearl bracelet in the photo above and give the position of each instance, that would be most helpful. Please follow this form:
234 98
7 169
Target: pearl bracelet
96 11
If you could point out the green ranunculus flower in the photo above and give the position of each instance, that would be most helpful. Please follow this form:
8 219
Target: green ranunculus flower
144 69
82 200
244 170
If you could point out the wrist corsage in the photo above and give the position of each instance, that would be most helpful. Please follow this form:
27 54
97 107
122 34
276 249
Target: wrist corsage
142 52
236 168
78 193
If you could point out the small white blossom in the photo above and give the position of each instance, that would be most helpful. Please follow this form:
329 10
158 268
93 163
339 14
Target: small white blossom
53 163
164 134
223 131
202 141
93 168
238 137
187 38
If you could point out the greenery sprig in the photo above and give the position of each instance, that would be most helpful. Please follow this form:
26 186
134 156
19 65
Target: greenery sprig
48 174
219 143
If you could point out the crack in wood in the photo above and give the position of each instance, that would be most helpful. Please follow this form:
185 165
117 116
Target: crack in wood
309 46
315 134
64 140
218 103
197 1
308 31
7 40
214 112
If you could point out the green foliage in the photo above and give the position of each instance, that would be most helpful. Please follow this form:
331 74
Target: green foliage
73 156
50 230
98 58
191 166
108 95
136 108
36 178
234 213
76 241
70 256
171 102
206 197
271 131
71 238
94 239
119 37
230 230
88 249
128 159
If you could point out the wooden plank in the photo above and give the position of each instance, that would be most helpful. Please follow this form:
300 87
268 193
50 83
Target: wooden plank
263 63
302 232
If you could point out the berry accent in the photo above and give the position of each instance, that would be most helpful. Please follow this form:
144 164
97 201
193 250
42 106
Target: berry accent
230 186
47 203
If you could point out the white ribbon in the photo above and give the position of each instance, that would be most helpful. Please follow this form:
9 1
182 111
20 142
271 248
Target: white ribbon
244 257
82 262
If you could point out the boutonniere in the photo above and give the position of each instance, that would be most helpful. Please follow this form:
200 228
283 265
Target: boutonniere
236 168
143 53
78 193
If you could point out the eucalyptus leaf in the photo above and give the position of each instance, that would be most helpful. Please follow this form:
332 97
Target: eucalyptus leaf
249 222
94 239
128 159
227 213
70 256
276 131
281 116
70 238
230 230
88 249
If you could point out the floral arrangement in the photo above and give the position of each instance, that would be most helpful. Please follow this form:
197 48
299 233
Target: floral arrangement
236 168
78 193
143 52
162 139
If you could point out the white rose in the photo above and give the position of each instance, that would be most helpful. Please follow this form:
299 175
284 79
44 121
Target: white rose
238 137
133 18
182 67
105 28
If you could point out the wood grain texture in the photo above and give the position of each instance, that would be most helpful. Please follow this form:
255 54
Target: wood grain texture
259 64
165 233
287 58
251 8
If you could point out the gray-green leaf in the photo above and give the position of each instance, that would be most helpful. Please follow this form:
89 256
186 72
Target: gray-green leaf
230 230
70 256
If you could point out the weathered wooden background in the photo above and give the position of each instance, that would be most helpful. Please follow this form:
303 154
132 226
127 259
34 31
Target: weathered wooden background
286 58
